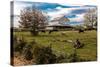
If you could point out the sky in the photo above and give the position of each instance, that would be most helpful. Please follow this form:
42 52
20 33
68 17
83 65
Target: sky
69 2
72 9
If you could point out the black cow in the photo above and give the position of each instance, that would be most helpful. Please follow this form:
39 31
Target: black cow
50 31
81 30
43 31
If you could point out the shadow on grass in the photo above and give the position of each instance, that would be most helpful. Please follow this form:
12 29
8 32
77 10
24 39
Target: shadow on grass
50 35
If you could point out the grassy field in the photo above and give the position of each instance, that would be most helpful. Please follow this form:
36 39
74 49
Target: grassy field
89 38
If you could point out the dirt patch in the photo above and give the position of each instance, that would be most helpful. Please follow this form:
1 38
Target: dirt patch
20 61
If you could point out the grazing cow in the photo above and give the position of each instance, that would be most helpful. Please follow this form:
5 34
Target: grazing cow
50 31
80 31
43 31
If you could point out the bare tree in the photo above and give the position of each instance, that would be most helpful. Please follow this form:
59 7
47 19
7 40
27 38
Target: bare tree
91 18
33 20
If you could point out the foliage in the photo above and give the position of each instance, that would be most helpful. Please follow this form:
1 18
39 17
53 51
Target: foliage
28 52
33 20
87 53
19 44
23 48
61 59
91 18
44 55
74 57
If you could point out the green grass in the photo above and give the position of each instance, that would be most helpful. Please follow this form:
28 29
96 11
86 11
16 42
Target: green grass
89 38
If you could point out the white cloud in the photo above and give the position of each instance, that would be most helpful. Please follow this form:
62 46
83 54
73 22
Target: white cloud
16 19
67 2
58 8
79 18
60 12
19 6
65 11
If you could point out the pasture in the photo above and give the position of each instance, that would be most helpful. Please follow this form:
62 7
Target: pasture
60 45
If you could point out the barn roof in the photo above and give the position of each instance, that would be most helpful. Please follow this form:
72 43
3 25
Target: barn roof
60 25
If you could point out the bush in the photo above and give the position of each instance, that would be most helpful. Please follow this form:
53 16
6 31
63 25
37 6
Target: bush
19 44
41 54
28 52
61 59
44 55
74 57
23 48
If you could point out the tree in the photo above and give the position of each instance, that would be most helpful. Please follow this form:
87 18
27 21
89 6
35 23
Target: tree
91 18
33 20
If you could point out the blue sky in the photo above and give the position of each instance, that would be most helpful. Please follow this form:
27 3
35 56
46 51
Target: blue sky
74 12
68 2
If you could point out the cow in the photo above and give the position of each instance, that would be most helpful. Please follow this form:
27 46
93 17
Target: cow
81 30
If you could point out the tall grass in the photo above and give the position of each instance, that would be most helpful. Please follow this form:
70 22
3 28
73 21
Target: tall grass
87 53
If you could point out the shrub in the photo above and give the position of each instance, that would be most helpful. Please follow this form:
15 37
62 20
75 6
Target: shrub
23 48
61 59
28 52
44 55
19 44
33 51
73 57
